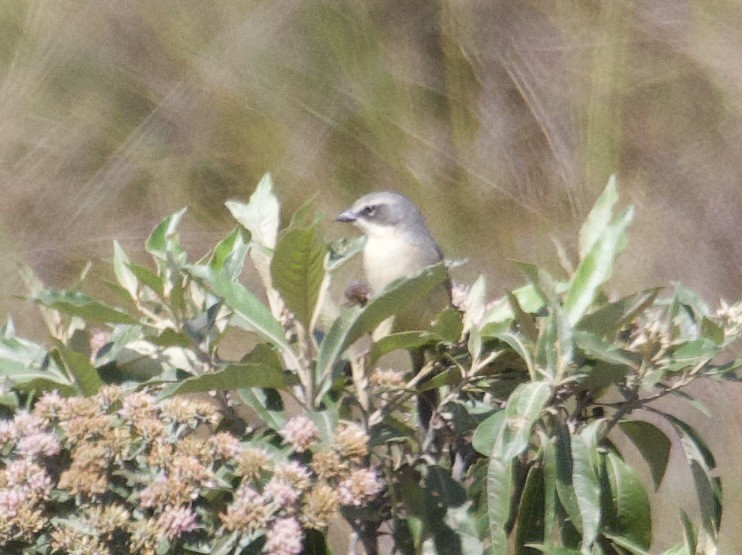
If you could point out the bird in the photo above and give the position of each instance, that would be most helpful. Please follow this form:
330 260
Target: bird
399 244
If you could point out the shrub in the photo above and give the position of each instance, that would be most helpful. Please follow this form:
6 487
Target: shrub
129 435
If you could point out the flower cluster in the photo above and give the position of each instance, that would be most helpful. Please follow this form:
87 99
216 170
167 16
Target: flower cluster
81 475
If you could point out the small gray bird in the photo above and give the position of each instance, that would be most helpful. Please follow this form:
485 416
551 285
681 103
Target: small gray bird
399 245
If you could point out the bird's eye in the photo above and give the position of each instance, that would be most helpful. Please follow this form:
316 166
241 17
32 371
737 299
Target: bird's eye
369 211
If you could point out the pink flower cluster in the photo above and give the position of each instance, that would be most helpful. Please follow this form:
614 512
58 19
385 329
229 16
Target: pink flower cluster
300 432
175 521
284 537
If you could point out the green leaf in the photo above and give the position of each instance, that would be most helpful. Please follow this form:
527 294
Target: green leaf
163 240
41 381
547 346
692 353
627 544
599 217
523 410
354 323
487 432
148 278
247 306
548 461
448 326
529 299
79 367
267 405
600 349
690 538
561 459
541 280
516 343
596 267
499 495
702 465
229 254
609 318
586 483
525 321
631 512
475 303
76 303
600 375
652 443
530 520
297 270
124 275
395 341
234 376
712 331
260 216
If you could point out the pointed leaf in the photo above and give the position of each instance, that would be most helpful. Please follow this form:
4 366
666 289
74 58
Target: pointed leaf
630 546
249 308
234 376
690 537
548 460
148 278
447 326
564 470
487 432
395 341
631 512
229 254
606 351
525 321
702 465
124 275
163 239
499 495
596 267
599 217
78 366
586 483
541 280
260 216
529 299
609 318
531 511
475 303
76 303
516 343
267 405
355 322
523 410
652 443
297 270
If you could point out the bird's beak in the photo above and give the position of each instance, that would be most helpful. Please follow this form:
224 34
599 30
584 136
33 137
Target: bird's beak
346 216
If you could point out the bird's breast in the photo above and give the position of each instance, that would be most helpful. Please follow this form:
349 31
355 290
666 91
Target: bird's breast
388 258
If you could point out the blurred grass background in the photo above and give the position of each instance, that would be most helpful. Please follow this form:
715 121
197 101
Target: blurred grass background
502 118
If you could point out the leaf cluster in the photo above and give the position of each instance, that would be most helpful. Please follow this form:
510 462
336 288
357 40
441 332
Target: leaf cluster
535 388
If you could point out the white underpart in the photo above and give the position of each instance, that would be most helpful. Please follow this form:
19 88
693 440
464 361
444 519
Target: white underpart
389 255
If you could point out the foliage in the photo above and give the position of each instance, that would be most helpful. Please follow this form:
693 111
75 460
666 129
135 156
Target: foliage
536 389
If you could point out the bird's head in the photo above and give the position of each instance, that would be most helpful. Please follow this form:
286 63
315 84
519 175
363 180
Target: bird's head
383 213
